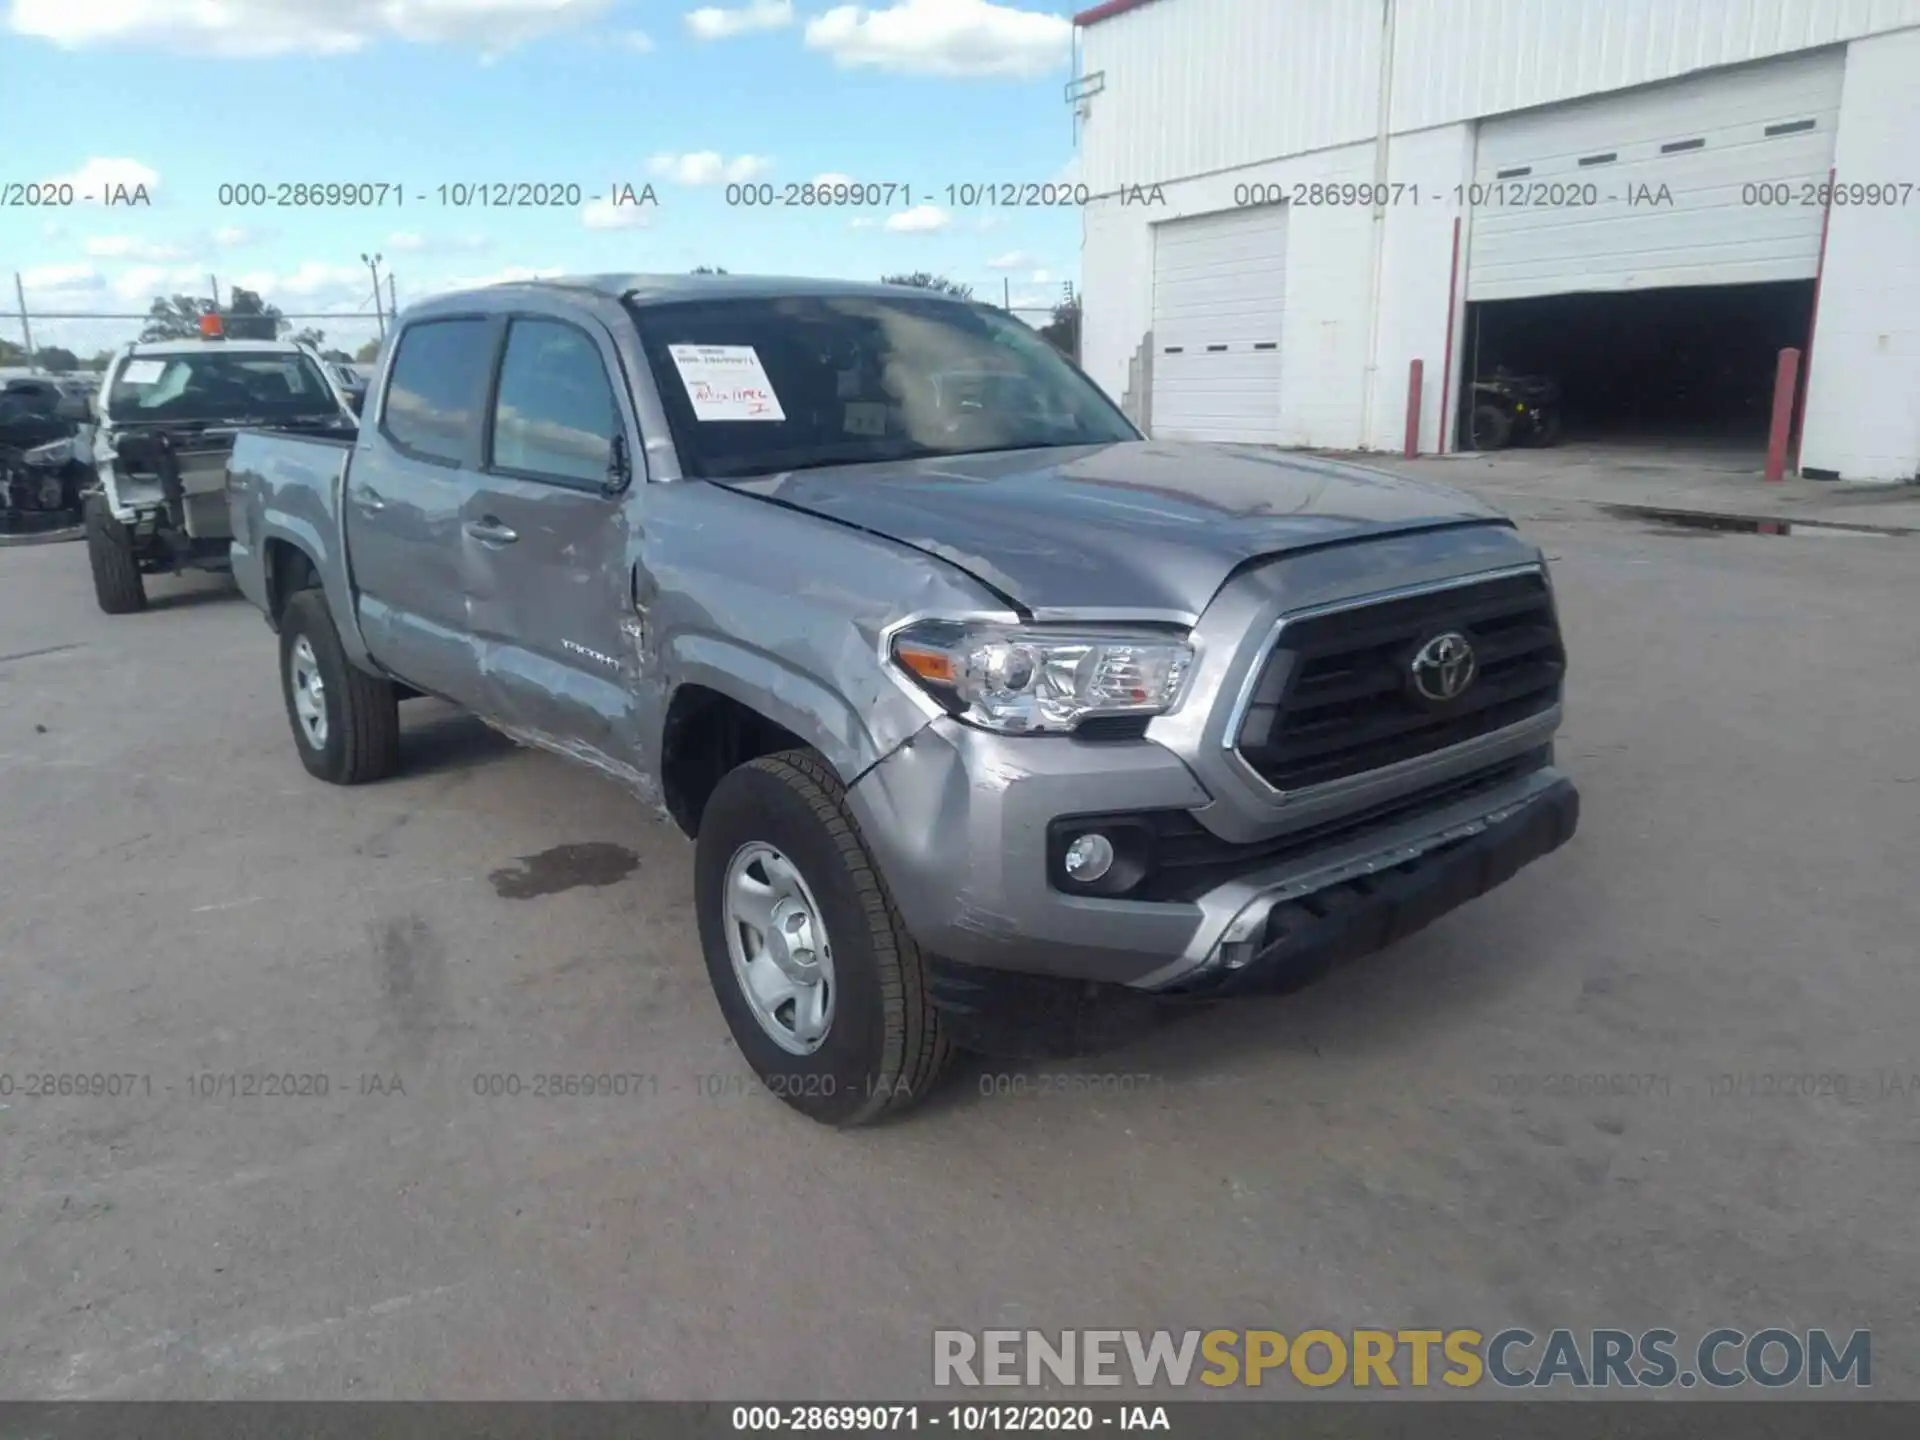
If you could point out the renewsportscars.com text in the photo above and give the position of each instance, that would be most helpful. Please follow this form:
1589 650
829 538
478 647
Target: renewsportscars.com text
1721 1359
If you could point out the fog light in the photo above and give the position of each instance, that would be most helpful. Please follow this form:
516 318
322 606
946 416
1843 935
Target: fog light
1089 857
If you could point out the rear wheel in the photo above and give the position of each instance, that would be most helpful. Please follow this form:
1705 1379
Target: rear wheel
116 574
822 986
346 723
1489 428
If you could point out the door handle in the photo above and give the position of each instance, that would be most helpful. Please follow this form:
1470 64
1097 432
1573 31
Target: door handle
368 498
490 531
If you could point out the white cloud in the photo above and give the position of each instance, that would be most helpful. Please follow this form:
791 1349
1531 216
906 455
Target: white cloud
347 286
228 237
131 247
1012 260
989 221
603 214
60 277
1043 277
713 22
709 167
280 27
508 276
102 176
920 220
638 41
861 222
412 242
945 37
832 178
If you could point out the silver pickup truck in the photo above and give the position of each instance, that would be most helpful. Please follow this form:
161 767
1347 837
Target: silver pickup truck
996 725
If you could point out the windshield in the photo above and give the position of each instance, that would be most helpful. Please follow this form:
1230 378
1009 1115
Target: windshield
221 385
755 387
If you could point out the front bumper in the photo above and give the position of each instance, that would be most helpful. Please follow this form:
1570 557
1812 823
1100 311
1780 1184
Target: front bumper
958 821
1279 941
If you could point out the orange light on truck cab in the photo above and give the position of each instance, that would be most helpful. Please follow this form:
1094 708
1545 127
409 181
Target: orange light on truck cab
211 328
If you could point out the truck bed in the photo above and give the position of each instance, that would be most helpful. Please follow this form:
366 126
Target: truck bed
287 485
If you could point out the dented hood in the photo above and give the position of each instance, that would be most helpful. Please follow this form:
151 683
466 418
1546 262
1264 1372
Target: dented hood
1144 525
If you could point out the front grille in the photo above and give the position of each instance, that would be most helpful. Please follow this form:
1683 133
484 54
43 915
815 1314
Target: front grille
1334 699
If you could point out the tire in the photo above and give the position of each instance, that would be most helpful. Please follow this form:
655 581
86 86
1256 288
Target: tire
358 738
116 574
883 1049
1489 428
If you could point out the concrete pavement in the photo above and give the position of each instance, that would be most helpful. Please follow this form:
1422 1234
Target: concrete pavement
181 907
1656 478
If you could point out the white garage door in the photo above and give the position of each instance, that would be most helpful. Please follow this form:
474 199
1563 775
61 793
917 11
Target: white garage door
1219 292
1709 181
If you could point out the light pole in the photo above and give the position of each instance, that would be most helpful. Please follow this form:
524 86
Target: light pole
372 262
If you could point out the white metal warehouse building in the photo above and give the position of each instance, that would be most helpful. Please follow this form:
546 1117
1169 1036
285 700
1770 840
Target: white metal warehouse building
1632 194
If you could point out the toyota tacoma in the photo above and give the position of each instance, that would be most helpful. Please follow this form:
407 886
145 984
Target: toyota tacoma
996 725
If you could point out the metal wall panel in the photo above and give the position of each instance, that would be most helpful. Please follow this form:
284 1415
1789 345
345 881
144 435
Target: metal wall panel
1196 86
1193 86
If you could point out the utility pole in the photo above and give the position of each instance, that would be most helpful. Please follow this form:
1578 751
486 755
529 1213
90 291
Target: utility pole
26 326
372 262
1006 292
393 304
213 282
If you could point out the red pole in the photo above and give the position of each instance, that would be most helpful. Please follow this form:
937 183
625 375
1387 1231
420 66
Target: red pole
1446 361
1415 373
1786 377
1813 319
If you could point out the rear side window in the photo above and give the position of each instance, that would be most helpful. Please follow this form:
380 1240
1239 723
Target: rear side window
555 413
436 387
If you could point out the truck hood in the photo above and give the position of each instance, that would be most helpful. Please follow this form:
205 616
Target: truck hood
1138 526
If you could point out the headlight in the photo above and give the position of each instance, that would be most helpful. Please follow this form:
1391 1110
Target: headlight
1037 680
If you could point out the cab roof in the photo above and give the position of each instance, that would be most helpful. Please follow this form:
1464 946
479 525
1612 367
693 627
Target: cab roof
154 348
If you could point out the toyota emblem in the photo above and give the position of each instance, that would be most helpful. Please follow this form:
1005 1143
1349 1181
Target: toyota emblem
1443 668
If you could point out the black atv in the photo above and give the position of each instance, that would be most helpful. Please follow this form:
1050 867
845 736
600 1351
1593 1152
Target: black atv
1513 410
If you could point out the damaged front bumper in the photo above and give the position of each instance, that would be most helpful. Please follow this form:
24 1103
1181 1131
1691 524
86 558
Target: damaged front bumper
959 821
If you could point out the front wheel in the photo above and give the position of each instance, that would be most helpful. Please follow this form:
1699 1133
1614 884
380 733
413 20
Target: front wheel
116 573
346 723
1489 428
825 991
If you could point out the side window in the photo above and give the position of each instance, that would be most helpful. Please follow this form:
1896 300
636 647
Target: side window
436 386
555 413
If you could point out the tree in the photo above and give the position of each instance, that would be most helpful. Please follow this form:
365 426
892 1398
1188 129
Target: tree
57 358
1064 329
708 270
336 357
311 338
12 354
921 280
248 317
101 360
367 353
177 318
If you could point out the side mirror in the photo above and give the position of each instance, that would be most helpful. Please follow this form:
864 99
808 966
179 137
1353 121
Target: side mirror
619 467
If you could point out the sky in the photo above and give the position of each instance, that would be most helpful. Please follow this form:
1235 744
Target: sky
172 100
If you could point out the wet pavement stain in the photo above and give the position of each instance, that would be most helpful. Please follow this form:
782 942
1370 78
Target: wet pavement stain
565 867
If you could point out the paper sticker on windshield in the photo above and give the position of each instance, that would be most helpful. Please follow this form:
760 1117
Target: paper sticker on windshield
726 382
866 419
142 372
